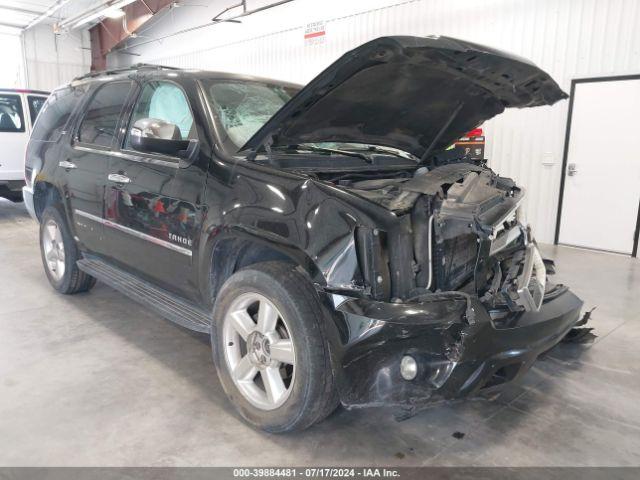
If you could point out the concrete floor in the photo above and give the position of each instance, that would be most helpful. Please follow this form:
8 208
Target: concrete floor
94 379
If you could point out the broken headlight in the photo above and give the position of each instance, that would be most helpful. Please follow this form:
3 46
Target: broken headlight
374 264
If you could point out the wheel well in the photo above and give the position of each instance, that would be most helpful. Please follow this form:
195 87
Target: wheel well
231 255
44 194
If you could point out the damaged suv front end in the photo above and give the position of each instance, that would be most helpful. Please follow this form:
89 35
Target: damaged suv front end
477 310
441 292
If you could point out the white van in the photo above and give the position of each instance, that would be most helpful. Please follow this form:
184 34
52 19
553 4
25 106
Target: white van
18 112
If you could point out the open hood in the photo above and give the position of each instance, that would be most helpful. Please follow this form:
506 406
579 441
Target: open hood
410 93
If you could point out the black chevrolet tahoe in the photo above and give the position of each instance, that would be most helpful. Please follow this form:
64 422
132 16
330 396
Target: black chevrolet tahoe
326 237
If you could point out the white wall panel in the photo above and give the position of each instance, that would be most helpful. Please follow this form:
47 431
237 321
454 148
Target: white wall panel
567 38
12 71
52 60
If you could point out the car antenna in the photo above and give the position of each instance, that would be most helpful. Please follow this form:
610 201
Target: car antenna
426 153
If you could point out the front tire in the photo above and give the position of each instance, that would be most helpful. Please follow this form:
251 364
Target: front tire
60 254
269 348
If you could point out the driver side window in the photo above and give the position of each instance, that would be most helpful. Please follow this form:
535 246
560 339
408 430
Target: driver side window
164 101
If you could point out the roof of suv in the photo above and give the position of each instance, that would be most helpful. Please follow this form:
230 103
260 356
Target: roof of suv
161 71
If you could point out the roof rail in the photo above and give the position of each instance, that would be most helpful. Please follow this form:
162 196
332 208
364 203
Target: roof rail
137 66
24 90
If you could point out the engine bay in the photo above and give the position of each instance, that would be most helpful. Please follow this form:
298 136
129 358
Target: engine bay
467 230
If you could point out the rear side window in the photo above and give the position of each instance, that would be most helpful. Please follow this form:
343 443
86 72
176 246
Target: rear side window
54 114
35 105
100 122
11 115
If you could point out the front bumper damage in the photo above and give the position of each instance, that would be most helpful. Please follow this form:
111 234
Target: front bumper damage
456 291
460 347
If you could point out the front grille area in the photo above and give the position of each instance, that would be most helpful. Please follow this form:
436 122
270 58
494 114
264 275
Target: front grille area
455 260
523 280
532 280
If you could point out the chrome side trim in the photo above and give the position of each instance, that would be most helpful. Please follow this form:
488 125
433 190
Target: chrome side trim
128 156
117 178
66 164
88 215
135 233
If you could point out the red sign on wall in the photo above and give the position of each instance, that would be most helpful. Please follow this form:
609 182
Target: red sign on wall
472 145
315 33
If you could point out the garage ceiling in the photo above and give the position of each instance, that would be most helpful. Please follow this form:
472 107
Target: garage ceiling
16 15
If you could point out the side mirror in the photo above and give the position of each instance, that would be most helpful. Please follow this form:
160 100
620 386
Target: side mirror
152 135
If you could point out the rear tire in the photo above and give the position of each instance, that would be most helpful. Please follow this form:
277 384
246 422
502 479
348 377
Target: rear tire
267 337
59 254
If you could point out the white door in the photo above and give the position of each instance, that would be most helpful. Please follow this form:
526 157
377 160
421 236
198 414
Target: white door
602 179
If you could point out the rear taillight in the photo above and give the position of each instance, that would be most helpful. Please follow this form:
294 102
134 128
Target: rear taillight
27 177
28 171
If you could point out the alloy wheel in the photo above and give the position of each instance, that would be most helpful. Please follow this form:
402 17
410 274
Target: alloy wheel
53 247
259 351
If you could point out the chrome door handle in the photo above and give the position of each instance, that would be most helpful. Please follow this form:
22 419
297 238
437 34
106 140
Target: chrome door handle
572 169
67 165
116 177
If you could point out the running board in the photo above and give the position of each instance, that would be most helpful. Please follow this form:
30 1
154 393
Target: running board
166 304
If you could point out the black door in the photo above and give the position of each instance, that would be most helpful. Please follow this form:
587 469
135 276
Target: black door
152 201
84 161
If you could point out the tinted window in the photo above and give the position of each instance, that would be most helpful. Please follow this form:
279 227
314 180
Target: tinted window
35 105
165 101
55 113
243 107
99 124
11 116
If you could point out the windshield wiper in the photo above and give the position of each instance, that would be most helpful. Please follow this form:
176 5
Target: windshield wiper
347 153
387 150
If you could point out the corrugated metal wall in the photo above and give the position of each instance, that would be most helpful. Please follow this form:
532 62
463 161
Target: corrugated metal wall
567 38
53 60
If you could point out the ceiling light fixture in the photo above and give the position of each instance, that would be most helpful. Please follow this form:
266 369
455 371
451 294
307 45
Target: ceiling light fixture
115 13
103 11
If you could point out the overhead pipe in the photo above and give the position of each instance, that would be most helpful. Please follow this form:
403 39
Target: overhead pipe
10 25
110 32
20 10
214 21
246 12
47 13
